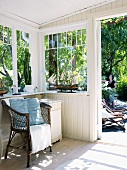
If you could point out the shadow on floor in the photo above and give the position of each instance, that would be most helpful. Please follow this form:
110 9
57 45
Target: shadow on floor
114 134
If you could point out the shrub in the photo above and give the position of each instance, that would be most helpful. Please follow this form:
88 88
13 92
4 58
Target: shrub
122 88
107 92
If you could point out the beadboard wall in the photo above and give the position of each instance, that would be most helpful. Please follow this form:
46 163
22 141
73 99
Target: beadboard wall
75 114
84 15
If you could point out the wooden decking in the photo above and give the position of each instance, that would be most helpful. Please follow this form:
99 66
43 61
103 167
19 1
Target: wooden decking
71 154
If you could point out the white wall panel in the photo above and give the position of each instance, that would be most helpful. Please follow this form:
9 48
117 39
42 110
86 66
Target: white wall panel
119 3
109 6
114 5
98 9
75 115
124 2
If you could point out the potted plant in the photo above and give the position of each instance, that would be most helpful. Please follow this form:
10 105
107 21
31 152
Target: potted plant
3 88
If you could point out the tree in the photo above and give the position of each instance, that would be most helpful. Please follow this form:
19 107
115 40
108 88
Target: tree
23 57
114 46
6 55
6 63
66 59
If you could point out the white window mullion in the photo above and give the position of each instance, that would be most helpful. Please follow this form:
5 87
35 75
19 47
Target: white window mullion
14 60
71 52
57 60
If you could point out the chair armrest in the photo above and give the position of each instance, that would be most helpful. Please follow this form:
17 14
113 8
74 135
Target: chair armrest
44 105
45 111
19 121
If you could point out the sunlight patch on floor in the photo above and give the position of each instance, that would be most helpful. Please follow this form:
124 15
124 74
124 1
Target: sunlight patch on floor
119 138
100 156
113 149
35 168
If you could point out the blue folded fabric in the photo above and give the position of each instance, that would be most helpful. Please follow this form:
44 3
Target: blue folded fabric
29 105
34 110
19 105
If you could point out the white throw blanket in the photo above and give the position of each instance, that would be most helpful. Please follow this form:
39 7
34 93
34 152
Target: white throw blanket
40 137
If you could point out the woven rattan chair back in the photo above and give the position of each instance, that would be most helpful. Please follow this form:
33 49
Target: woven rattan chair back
20 124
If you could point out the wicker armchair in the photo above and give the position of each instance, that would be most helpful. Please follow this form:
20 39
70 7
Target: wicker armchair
20 123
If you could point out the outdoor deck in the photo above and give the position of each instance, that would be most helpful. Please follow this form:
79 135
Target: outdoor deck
113 134
72 154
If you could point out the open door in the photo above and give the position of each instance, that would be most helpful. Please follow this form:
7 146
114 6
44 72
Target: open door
98 48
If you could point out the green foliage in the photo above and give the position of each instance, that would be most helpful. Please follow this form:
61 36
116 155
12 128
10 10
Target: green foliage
5 56
122 88
67 61
107 92
27 68
23 57
114 45
114 52
2 85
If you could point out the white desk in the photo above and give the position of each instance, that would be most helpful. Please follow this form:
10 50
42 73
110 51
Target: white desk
55 114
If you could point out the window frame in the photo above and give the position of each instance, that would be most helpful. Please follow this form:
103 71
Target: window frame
56 30
14 49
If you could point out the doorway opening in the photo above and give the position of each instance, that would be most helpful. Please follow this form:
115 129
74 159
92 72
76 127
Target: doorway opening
113 62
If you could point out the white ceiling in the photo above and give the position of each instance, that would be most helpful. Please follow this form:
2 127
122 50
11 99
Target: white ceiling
41 12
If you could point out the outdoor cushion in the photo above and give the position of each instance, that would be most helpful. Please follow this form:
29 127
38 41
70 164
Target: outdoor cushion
19 105
34 110
31 106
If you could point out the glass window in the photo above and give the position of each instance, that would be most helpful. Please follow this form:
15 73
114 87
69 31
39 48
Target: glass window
6 57
66 60
23 59
6 71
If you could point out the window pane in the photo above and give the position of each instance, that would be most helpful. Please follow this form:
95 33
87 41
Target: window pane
73 38
63 39
59 40
81 67
54 40
5 34
46 40
1 34
50 41
6 71
66 62
84 36
69 39
51 67
79 38
23 59
9 36
64 65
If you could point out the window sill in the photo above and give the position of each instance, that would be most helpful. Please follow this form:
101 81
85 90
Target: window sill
8 95
67 93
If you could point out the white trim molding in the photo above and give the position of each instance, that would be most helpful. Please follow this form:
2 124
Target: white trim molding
94 65
15 19
65 27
